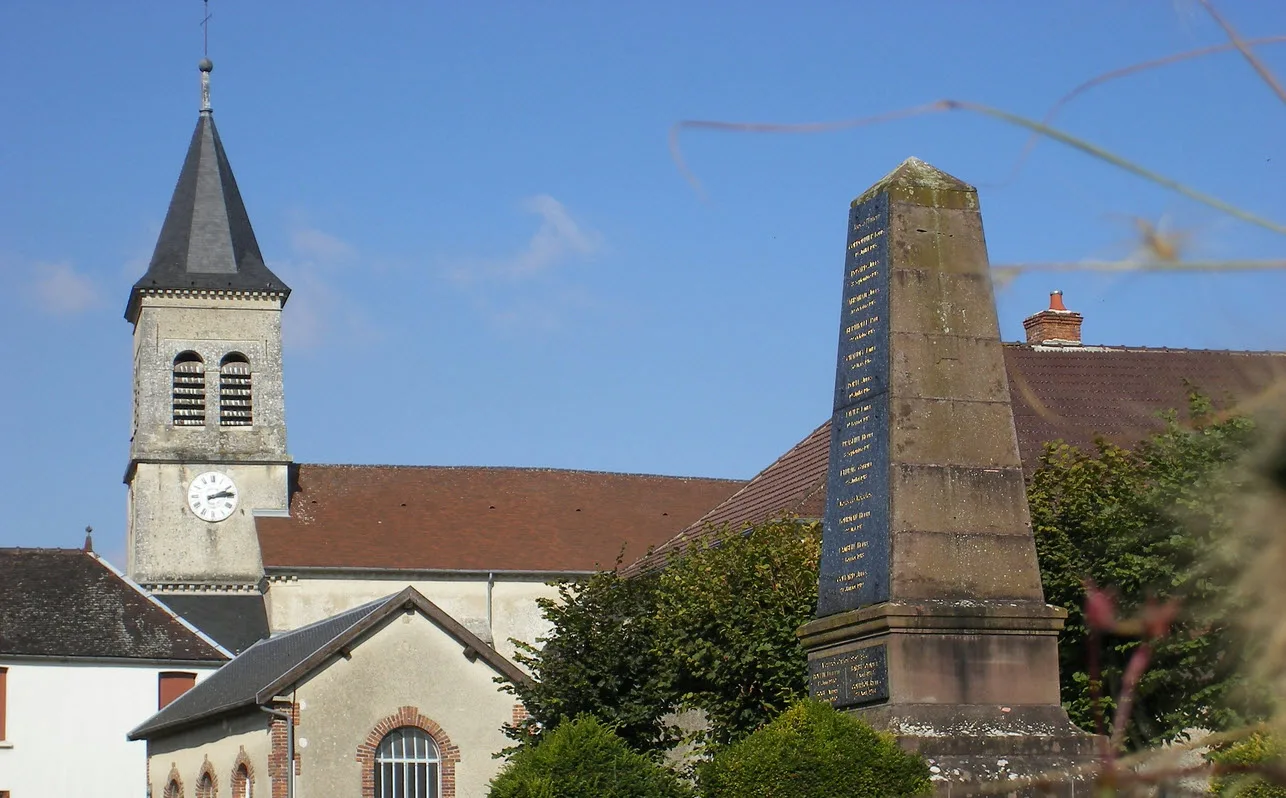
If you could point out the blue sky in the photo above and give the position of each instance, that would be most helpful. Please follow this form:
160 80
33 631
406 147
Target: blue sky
495 261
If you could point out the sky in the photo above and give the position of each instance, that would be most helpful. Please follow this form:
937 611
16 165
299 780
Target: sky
496 259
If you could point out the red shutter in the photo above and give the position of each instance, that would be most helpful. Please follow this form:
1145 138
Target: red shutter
4 678
172 684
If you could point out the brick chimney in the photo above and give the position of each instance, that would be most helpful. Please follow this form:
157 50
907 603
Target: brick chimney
1056 326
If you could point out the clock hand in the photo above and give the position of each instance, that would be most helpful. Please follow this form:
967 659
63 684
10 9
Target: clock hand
223 494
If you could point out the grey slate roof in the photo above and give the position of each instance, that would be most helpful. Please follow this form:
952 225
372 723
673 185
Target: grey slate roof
206 241
272 666
68 603
236 622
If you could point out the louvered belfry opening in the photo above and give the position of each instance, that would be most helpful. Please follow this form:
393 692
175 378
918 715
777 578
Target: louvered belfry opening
235 398
188 391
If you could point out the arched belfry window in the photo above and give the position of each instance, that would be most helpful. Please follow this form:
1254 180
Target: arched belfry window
407 764
235 400
188 390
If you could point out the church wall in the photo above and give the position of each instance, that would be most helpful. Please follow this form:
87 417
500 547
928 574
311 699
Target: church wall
514 614
224 743
103 701
171 544
409 662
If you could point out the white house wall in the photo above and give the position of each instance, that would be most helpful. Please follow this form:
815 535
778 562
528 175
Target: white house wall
66 727
514 614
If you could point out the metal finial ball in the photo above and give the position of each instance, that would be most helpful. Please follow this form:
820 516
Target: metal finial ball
205 65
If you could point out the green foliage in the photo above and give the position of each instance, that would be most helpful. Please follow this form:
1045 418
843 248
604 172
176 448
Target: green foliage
598 660
582 758
715 631
1142 523
726 616
814 751
1258 749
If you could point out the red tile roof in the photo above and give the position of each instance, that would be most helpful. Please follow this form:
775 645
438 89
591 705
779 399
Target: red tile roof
1073 394
478 519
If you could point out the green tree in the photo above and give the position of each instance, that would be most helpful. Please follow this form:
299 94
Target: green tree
1144 523
598 659
814 751
726 616
714 631
582 758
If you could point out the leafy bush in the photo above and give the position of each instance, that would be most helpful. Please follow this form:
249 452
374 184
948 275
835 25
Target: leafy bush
814 751
582 758
1255 750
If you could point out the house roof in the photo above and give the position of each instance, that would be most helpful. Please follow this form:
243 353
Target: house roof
478 519
1072 394
69 603
236 621
271 667
206 241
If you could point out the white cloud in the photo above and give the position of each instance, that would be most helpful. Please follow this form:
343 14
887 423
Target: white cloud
59 289
320 312
309 242
559 239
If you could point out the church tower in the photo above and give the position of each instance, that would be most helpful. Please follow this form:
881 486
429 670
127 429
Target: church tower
208 450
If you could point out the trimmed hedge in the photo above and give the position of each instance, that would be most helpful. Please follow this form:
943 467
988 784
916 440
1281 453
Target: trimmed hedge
814 751
582 758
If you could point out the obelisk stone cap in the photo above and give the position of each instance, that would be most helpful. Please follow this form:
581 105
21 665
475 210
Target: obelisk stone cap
919 183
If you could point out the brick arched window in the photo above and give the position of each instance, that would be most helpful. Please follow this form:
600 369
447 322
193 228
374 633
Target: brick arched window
174 785
236 405
405 752
243 776
207 784
187 397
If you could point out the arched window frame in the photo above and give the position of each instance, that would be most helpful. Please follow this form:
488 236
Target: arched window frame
187 390
173 784
236 391
243 776
207 783
448 753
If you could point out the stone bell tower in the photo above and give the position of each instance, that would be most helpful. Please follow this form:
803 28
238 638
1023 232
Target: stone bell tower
208 448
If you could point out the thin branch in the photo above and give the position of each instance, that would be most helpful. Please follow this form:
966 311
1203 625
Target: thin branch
957 105
1009 269
1246 52
767 127
1122 163
1123 72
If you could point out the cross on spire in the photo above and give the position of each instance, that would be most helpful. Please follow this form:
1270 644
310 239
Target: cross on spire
205 30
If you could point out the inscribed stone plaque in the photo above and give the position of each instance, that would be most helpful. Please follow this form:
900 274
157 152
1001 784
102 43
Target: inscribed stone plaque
854 568
851 679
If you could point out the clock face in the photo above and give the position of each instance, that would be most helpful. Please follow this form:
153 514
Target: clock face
212 496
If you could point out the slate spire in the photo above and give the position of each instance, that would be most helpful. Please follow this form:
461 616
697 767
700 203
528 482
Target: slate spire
206 242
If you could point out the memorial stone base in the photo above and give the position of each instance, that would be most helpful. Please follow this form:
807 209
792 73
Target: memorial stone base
964 684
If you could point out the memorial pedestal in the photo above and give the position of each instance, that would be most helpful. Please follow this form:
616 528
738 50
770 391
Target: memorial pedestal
970 691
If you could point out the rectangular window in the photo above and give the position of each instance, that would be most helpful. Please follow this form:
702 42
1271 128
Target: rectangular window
4 679
172 684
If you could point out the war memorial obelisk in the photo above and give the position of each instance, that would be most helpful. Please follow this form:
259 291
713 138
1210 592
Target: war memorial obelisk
931 622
